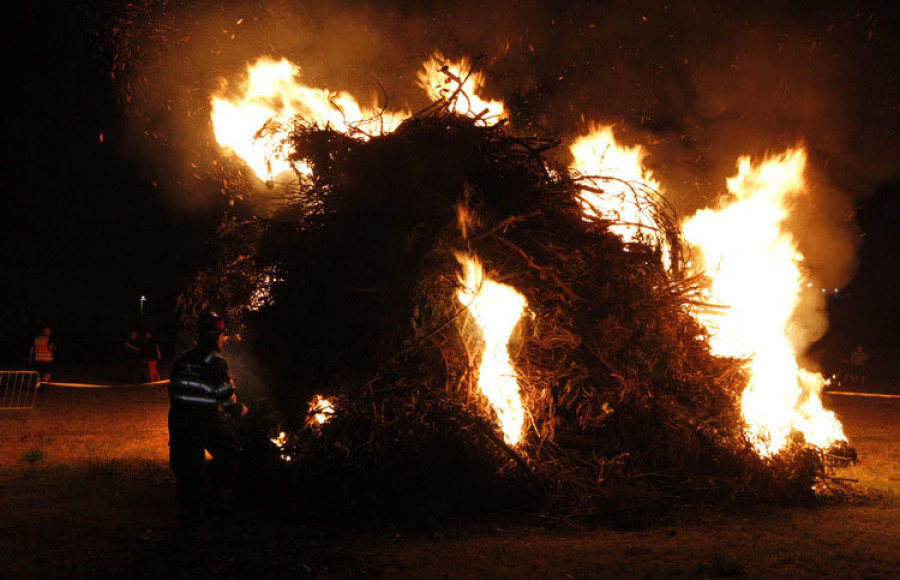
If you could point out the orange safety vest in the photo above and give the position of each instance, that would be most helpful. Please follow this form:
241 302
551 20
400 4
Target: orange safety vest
42 352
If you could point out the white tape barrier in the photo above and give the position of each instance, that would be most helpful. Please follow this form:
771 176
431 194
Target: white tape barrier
114 386
852 394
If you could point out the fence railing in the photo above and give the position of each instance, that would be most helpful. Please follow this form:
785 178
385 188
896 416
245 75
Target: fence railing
18 390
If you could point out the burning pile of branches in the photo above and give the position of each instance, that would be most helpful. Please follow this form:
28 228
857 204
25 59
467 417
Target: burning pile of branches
362 290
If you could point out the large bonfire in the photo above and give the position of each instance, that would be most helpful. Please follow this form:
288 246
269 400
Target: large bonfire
469 319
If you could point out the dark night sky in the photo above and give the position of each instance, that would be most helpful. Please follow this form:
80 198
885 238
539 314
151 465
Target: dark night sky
84 232
87 226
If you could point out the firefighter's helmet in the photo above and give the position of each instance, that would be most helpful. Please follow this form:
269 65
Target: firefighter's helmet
211 325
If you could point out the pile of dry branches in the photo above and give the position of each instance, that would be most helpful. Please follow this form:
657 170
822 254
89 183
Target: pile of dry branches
359 273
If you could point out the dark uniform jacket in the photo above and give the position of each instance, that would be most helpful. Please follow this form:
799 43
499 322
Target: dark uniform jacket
200 380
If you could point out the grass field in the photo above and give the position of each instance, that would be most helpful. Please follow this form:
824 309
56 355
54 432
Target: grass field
85 492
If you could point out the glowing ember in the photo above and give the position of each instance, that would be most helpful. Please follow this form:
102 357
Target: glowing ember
442 79
321 410
262 293
496 309
271 97
280 440
279 443
618 172
755 270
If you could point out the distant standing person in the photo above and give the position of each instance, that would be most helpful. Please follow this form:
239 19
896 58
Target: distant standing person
41 354
858 360
133 358
151 356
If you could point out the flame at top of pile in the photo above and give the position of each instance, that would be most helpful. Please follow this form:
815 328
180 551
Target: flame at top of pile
271 97
458 82
255 124
755 271
617 186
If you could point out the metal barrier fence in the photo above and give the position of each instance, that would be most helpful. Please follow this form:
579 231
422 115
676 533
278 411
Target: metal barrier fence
18 389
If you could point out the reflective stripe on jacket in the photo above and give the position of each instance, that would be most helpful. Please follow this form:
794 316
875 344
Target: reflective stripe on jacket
42 352
200 379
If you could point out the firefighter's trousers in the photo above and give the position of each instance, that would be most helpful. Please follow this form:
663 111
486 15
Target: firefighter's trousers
191 432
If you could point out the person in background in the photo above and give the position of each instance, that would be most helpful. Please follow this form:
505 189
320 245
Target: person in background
133 366
202 399
150 355
41 354
858 360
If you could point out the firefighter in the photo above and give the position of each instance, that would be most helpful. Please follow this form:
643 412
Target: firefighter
202 399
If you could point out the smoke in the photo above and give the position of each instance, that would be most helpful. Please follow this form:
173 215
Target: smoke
697 84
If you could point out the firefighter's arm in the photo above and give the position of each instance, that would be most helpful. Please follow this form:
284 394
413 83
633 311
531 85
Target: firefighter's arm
227 397
226 393
235 408
31 354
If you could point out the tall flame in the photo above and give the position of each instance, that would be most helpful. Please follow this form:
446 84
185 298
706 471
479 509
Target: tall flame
755 269
618 171
273 94
496 309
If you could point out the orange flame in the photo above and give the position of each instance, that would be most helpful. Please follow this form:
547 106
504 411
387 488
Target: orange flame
321 410
496 309
617 186
271 97
280 440
755 269
442 79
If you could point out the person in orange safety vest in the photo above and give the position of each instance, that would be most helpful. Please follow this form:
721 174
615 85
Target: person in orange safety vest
41 354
